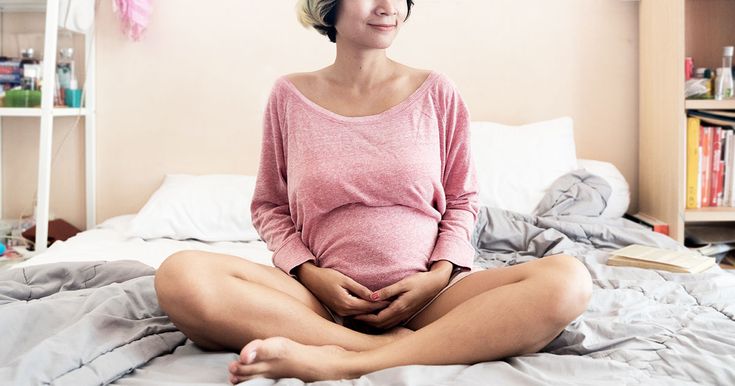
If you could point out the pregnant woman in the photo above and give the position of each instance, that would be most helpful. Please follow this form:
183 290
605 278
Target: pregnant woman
366 193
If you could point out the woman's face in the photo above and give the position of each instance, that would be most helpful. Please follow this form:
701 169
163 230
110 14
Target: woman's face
370 23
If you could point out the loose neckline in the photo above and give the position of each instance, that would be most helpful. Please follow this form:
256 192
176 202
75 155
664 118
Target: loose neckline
364 118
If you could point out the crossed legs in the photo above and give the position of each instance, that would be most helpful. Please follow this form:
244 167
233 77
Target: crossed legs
488 315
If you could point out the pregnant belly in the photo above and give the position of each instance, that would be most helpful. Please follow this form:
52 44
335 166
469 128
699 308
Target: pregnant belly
375 246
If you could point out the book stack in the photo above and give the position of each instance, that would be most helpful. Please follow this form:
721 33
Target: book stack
10 74
649 222
710 159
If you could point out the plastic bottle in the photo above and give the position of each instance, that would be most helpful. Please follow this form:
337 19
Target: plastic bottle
30 78
724 82
27 57
73 95
64 72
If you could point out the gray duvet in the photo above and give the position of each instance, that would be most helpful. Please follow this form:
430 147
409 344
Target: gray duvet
99 323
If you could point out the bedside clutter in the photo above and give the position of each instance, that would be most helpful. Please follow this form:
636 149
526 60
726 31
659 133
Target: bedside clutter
713 240
57 230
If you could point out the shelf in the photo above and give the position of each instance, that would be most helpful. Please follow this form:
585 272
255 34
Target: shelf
722 214
22 5
710 104
36 112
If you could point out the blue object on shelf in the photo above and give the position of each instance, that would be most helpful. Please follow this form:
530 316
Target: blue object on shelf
2 249
73 97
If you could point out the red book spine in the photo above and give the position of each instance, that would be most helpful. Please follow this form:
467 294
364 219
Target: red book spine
706 167
716 149
661 228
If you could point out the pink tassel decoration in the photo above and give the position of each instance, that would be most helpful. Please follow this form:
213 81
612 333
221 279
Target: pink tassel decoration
134 15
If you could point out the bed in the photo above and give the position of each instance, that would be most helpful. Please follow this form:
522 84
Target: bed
84 312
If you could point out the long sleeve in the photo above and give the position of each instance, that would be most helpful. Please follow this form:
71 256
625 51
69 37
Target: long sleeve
270 205
459 179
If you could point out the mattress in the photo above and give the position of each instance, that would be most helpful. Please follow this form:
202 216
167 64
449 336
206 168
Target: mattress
108 241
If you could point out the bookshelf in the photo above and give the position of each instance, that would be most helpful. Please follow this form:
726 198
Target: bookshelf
669 31
47 112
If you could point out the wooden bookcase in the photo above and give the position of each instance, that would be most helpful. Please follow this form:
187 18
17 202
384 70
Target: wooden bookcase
670 31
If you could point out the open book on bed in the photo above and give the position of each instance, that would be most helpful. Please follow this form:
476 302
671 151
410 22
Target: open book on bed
656 258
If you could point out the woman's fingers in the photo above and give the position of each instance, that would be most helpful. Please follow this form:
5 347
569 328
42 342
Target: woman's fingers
356 306
389 291
389 317
357 288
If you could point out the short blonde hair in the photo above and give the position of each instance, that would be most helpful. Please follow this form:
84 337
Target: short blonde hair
322 15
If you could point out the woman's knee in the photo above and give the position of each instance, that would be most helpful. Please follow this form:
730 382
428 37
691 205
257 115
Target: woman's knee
181 287
569 286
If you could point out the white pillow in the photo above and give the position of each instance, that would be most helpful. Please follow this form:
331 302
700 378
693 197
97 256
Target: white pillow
619 199
516 165
208 208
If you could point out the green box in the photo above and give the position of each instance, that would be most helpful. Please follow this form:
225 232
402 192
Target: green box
22 98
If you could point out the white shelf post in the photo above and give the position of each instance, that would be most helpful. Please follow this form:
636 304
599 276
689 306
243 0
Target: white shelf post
90 129
47 117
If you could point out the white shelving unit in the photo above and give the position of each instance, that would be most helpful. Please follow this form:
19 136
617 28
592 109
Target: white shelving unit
47 113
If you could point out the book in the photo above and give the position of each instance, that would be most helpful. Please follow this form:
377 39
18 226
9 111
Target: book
641 256
693 155
712 118
713 249
706 169
727 190
654 224
716 172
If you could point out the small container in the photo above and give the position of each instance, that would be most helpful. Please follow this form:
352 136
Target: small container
724 81
688 68
27 58
22 98
73 95
30 78
64 73
705 73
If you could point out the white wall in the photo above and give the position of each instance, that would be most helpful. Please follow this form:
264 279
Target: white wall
189 97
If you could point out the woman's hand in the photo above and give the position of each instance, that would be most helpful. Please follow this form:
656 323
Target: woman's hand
340 293
412 293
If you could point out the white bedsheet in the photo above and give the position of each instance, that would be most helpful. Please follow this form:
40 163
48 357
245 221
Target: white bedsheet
108 242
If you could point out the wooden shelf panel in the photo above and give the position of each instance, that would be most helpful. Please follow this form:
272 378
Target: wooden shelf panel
710 104
722 214
36 112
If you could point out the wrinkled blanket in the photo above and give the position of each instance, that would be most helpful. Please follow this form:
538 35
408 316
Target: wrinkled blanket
86 324
80 323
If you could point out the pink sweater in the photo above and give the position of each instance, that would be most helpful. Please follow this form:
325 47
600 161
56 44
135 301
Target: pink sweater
376 197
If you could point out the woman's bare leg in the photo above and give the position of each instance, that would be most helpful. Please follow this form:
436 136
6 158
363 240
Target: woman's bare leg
520 317
224 302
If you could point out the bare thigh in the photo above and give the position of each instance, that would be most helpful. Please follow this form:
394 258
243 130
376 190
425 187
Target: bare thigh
482 281
205 270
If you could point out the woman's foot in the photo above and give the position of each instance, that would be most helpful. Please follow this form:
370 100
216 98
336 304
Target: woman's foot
280 357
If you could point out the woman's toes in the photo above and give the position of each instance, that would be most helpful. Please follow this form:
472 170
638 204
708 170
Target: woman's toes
250 351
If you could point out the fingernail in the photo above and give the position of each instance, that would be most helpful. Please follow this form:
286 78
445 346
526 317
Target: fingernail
251 357
375 296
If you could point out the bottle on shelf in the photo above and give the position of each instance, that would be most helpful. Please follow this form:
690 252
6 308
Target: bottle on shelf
724 82
26 57
64 73
30 78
